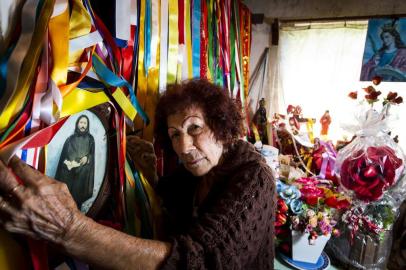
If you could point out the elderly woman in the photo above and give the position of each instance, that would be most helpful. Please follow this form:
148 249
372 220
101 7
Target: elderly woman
219 204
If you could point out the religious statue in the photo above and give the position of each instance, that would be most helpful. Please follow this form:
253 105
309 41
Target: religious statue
260 121
325 122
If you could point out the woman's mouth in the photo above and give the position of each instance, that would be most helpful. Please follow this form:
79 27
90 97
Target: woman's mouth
194 162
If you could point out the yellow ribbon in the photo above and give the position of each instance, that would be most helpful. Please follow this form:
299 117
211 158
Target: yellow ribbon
79 25
59 40
173 41
188 39
152 100
142 78
125 104
79 100
309 127
153 88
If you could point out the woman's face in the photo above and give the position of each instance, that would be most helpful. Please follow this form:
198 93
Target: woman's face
193 141
387 39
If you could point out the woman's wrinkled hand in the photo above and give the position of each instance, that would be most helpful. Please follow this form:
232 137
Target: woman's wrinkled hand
37 206
143 155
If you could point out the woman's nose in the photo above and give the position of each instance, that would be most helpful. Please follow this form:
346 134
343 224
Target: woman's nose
186 144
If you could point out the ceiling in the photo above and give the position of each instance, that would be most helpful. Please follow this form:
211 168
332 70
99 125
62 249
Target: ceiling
319 9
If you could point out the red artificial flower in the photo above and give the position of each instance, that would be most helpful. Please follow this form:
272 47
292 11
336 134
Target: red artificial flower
337 203
398 100
376 80
290 109
370 89
353 95
391 96
282 206
368 173
280 219
311 194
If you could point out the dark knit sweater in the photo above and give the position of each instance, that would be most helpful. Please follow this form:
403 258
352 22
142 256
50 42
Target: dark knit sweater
233 226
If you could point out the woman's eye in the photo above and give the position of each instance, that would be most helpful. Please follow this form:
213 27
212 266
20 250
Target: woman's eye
174 136
195 129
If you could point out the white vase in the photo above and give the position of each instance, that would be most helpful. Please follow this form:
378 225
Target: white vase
303 251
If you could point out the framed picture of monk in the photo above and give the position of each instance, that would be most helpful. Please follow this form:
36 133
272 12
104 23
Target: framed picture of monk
78 156
385 50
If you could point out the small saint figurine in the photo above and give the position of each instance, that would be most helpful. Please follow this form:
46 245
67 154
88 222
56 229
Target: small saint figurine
325 122
260 121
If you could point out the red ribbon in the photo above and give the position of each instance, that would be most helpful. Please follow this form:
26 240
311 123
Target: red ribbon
204 35
181 21
44 136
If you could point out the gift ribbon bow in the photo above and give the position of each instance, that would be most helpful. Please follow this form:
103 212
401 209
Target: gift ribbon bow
356 219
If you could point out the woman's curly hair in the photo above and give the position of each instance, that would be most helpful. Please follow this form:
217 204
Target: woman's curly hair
221 112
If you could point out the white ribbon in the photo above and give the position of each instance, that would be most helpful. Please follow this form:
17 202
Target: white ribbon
59 7
123 19
163 68
154 31
85 41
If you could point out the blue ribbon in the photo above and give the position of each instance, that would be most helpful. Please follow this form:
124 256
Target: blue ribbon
136 45
27 130
122 43
147 37
111 79
91 85
196 15
3 69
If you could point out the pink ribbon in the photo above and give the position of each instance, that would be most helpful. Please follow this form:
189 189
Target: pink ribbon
328 157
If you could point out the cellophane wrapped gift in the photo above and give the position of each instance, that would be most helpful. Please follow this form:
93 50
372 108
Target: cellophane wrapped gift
366 238
369 170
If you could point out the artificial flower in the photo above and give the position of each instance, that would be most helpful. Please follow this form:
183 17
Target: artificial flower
353 95
398 100
369 90
372 97
296 206
287 192
368 173
376 80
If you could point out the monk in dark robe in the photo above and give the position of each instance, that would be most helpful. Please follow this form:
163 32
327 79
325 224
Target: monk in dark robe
76 164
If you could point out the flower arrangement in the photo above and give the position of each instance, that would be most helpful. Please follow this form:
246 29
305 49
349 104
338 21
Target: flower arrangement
369 170
307 205
372 163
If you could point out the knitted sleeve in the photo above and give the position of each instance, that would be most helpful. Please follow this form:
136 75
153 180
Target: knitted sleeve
236 232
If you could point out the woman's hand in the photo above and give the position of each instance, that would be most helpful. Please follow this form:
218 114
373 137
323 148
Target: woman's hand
37 206
143 155
42 208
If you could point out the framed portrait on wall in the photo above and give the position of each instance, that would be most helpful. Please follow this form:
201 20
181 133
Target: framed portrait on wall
385 50
78 155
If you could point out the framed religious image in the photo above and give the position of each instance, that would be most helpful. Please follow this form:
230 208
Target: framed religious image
78 155
385 50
